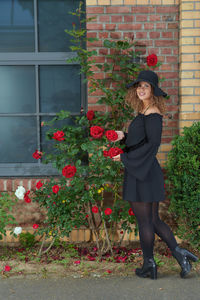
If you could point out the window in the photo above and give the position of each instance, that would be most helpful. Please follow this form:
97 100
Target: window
35 80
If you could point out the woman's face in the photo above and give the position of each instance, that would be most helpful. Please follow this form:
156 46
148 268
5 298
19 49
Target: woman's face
144 91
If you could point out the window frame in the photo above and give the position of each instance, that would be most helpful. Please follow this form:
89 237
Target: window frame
36 59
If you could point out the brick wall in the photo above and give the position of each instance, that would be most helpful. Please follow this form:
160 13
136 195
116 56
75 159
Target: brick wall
156 28
189 57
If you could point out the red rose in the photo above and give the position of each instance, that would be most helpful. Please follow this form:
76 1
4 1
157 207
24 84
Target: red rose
95 209
58 136
152 60
105 153
69 171
87 216
26 197
55 189
90 115
108 211
131 213
114 151
7 268
35 226
111 135
39 184
37 154
96 132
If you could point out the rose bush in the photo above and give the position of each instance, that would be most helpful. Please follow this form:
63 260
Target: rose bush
82 151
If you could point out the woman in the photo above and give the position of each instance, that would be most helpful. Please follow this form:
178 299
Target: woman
143 178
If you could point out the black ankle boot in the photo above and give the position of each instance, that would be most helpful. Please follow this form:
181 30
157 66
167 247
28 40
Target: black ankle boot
183 257
149 269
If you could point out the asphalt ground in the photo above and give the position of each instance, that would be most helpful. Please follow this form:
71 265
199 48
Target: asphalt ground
166 287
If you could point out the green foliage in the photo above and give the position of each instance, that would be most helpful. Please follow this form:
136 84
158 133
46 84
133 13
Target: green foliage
6 218
96 175
183 173
26 239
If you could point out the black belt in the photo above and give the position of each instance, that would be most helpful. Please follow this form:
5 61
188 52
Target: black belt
131 148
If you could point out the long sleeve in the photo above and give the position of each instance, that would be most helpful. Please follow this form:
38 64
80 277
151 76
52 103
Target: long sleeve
138 162
124 138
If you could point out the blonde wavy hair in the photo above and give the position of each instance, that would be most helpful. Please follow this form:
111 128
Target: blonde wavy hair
133 100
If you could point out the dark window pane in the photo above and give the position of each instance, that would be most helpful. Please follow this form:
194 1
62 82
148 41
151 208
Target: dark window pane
17 86
54 18
60 88
16 26
47 145
18 139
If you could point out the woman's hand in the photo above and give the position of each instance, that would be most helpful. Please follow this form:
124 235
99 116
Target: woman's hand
116 158
120 135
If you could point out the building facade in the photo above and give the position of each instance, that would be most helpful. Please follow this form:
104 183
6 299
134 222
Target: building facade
34 72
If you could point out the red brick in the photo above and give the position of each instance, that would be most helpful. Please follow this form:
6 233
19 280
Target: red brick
166 84
95 10
141 18
118 9
98 75
166 67
141 35
168 35
167 132
166 140
2 185
95 44
168 18
166 9
161 26
129 35
172 91
176 51
165 43
91 34
148 26
104 19
92 100
97 93
172 59
116 19
166 51
172 123
103 35
110 26
94 26
97 107
143 9
176 34
129 19
130 26
115 35
154 18
153 51
103 51
98 59
154 35
172 25
9 185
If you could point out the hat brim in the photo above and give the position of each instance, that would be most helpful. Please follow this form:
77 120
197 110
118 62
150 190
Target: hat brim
157 91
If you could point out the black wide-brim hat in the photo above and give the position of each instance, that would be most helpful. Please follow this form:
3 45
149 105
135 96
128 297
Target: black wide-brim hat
150 77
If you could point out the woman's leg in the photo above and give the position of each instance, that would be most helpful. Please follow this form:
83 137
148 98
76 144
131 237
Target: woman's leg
143 214
162 229
182 256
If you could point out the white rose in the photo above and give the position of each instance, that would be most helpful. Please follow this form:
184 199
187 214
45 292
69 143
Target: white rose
19 193
17 230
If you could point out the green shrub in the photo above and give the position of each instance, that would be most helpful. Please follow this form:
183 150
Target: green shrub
183 183
27 240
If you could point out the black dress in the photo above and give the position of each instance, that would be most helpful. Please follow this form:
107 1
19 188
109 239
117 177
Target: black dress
143 177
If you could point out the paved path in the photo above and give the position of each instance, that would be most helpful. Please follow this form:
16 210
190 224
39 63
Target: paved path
167 287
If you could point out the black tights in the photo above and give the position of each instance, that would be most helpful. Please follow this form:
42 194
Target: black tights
150 223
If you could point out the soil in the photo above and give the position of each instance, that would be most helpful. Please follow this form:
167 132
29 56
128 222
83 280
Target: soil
81 260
